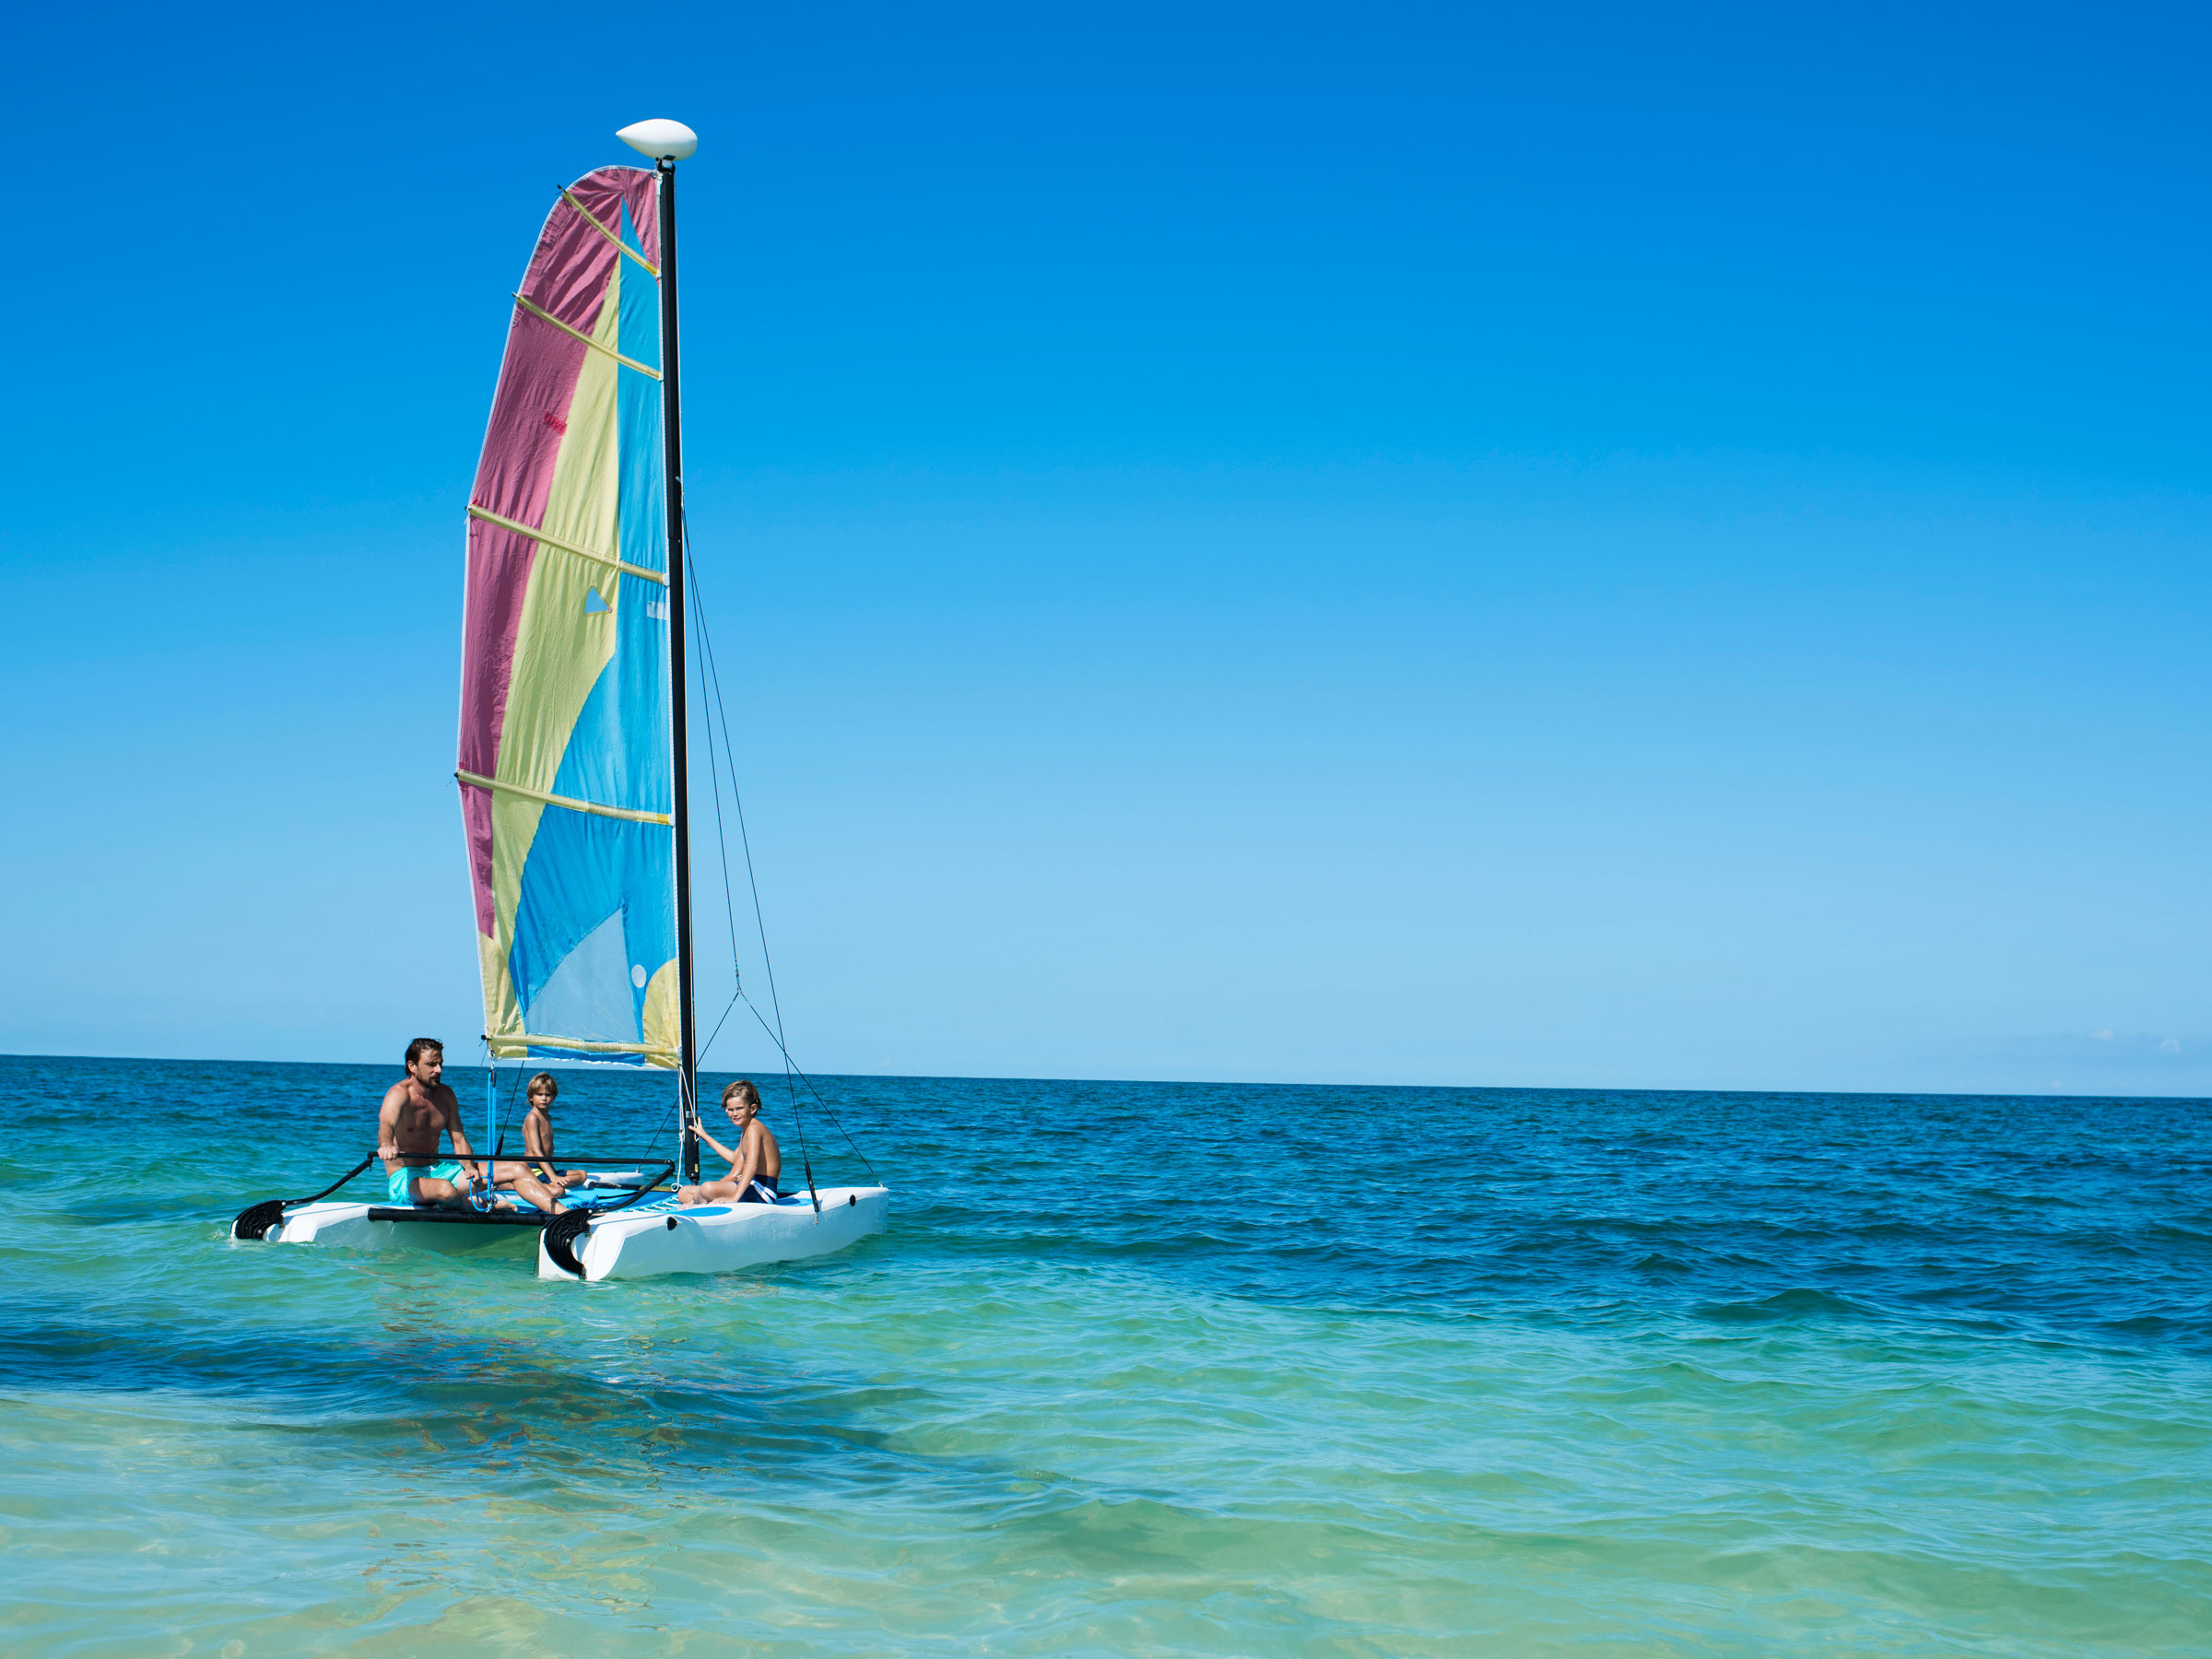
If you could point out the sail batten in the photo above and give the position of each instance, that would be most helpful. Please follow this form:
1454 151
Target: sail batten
508 1048
490 517
544 315
636 815
620 246
564 701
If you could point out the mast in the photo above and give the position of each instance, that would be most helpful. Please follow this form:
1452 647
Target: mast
668 142
672 436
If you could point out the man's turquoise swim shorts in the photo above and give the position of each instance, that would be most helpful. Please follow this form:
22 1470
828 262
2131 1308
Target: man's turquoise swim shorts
404 1177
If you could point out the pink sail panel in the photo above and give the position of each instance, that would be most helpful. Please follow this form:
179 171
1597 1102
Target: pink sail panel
567 277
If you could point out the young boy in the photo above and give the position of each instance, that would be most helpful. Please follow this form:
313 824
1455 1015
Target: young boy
535 1179
755 1167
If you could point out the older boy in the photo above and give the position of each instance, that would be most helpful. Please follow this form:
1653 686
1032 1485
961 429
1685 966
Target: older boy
755 1167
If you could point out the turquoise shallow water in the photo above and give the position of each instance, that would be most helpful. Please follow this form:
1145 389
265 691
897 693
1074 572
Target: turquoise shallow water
1139 1369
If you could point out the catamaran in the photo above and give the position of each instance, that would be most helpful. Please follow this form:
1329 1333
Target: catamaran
574 771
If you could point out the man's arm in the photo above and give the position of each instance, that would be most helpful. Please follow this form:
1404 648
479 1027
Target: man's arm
462 1149
387 1126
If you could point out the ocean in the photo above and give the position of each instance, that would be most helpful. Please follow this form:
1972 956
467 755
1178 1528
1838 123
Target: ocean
1139 1369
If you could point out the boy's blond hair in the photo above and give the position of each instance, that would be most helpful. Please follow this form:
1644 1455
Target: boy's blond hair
744 1088
544 1080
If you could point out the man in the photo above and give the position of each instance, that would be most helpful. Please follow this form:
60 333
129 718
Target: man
415 1113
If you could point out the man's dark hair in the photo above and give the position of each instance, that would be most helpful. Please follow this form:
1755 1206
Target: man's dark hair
422 1045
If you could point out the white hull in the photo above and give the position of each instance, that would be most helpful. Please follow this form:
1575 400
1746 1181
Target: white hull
348 1227
644 1240
722 1238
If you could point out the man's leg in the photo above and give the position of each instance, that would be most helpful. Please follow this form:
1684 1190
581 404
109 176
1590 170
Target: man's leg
431 1188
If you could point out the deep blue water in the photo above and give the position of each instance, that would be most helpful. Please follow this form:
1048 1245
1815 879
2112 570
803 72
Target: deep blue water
1165 1368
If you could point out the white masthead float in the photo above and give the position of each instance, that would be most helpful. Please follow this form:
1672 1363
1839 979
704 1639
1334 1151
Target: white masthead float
573 766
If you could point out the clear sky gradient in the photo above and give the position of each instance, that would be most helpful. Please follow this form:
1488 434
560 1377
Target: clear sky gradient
1571 545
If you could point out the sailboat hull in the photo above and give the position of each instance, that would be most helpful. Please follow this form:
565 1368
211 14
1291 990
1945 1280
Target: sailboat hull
359 1227
647 1241
722 1238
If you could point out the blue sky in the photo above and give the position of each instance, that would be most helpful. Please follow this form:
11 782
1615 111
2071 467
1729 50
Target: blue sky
1568 546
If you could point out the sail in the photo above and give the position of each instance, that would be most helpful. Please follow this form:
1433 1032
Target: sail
565 763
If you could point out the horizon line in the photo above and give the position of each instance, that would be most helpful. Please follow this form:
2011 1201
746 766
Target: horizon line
589 1067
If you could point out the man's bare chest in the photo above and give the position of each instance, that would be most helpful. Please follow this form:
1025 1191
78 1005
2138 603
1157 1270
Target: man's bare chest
419 1117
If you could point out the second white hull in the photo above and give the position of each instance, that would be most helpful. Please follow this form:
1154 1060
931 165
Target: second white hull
722 1238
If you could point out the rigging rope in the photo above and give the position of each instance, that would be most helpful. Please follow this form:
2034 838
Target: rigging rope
828 1110
705 1049
721 713
491 1118
496 1124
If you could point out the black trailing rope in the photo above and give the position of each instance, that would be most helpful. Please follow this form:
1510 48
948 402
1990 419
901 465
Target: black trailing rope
561 1234
255 1219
